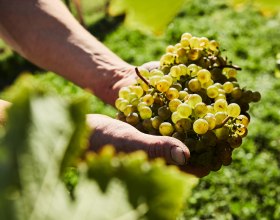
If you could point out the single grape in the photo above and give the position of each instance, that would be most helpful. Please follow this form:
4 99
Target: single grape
243 119
211 119
164 112
235 141
193 99
183 95
183 125
175 117
184 110
186 35
172 93
163 85
200 126
228 87
175 71
220 117
233 110
145 112
148 99
220 105
124 92
166 129
200 109
212 91
133 118
173 104
156 121
194 85
203 75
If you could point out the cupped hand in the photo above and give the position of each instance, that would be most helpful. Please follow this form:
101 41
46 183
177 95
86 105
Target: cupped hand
126 138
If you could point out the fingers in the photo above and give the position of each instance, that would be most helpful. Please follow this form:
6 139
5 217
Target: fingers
151 65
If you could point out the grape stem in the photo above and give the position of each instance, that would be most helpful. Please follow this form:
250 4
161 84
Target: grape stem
141 77
227 65
223 123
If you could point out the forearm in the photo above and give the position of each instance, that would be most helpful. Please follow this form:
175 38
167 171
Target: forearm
47 34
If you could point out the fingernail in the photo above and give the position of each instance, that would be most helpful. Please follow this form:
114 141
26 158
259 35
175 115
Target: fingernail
178 155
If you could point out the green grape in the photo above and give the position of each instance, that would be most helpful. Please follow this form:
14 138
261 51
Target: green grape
129 109
147 124
135 102
233 110
184 70
220 96
204 42
184 110
166 129
194 85
212 91
220 105
200 126
154 80
183 95
256 96
141 105
145 112
185 42
210 109
236 93
241 130
148 99
177 86
173 104
243 119
186 35
137 90
120 116
228 87
168 78
221 91
213 45
179 136
118 102
156 72
133 118
193 69
207 84
230 72
235 141
164 112
172 93
175 71
124 92
163 85
194 54
123 105
203 75
175 117
194 42
144 72
222 133
170 49
167 59
143 85
211 119
193 100
156 121
220 117
200 109
183 125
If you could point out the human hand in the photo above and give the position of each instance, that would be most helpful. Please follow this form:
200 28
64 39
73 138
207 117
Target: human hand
126 138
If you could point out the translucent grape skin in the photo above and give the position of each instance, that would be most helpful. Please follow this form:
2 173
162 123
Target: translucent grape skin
193 96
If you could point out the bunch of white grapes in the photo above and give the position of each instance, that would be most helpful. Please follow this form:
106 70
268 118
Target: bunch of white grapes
193 96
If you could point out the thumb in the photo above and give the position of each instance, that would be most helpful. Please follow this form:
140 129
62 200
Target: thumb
171 149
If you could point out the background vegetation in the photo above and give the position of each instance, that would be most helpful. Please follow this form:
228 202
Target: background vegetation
248 188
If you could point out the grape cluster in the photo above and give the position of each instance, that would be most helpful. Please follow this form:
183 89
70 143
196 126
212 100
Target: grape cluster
194 96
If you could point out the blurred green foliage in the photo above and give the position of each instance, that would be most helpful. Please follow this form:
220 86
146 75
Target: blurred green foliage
249 188
45 141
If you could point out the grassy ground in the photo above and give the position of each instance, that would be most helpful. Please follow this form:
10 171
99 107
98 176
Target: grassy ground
249 188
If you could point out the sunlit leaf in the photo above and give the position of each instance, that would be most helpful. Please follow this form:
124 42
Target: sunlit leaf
149 15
